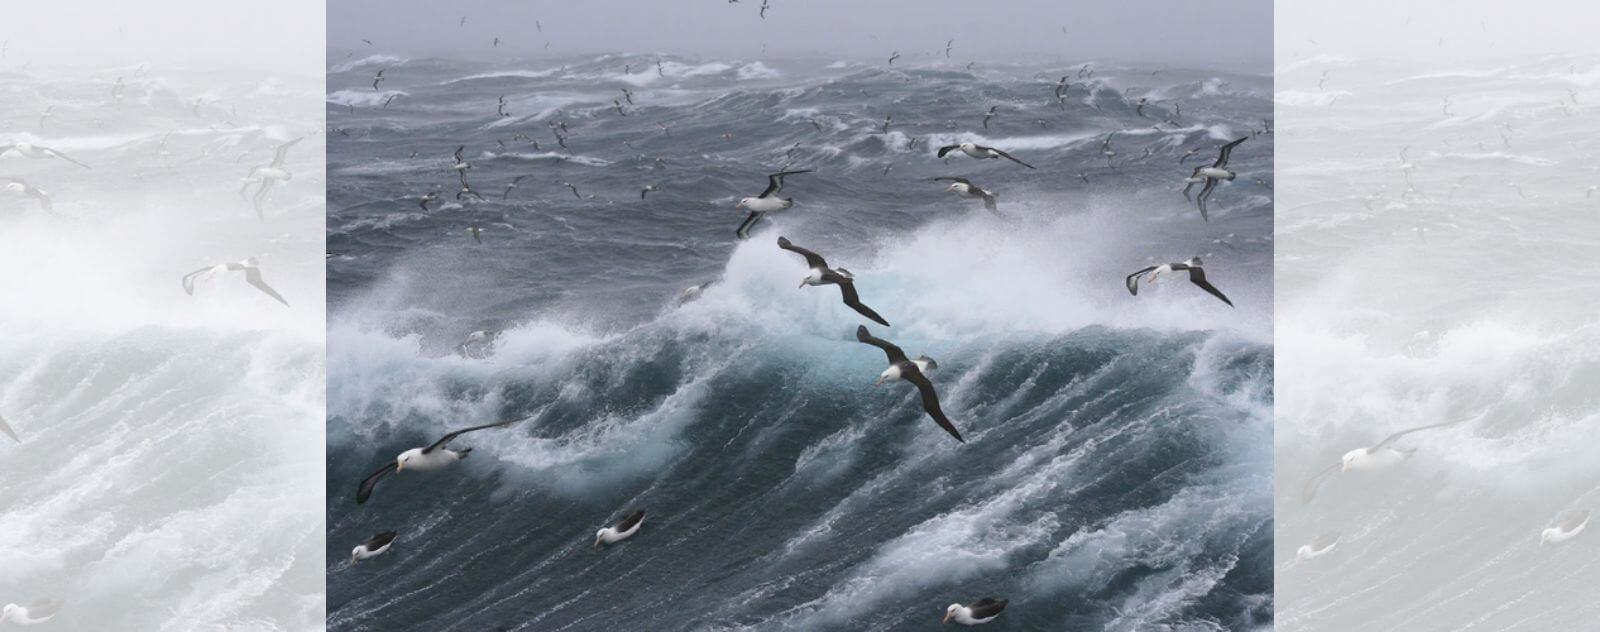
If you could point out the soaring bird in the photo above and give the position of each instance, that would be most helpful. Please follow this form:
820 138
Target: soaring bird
979 151
252 275
821 274
767 202
38 152
432 457
981 611
1210 175
913 371
621 530
1197 276
965 188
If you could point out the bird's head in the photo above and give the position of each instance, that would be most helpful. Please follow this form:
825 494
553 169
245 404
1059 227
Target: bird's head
404 458
599 536
1544 536
955 187
743 202
951 612
355 554
968 146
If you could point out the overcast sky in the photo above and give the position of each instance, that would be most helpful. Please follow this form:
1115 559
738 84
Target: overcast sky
283 35
1469 29
1208 33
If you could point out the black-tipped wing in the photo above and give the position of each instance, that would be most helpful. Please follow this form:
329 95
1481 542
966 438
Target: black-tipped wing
749 221
930 401
365 490
283 151
253 277
1573 519
895 354
379 541
987 607
5 428
188 279
1133 280
458 153
629 521
812 259
775 181
947 149
1197 276
1387 441
1310 490
1011 158
1227 150
454 433
1205 194
847 289
66 158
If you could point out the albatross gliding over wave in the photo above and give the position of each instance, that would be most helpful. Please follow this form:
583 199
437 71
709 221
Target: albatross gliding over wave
767 202
252 275
821 274
432 457
1378 457
913 371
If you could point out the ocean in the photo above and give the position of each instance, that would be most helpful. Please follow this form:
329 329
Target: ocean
1117 470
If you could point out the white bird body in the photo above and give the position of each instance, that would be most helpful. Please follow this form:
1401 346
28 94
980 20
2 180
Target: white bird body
1305 552
31 614
770 204
1365 460
1213 172
609 535
965 615
893 373
419 460
1568 528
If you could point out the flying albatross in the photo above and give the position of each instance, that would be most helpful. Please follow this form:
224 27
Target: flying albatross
268 175
20 186
1378 457
767 202
433 457
31 613
1318 546
622 530
821 274
38 152
378 545
981 611
1197 276
965 188
1567 527
1210 175
252 275
913 371
979 151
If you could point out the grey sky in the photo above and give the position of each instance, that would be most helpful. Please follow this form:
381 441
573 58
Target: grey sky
284 35
1469 29
1211 33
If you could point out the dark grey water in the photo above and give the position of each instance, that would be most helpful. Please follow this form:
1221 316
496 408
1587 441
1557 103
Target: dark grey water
1117 470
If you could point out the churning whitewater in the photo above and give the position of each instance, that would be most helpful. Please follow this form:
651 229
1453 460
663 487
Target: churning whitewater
1117 466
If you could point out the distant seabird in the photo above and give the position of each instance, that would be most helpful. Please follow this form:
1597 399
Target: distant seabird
31 613
1318 546
646 190
1061 88
913 371
378 545
629 95
893 57
268 175
574 188
433 457
821 274
989 115
694 291
1210 175
252 275
20 186
622 530
981 611
1197 276
1567 527
767 202
377 80
5 429
1378 457
478 344
965 188
38 152
979 151
461 163
500 107
512 185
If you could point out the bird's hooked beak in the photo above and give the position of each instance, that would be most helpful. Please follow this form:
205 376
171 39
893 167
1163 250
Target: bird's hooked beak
740 204
947 616
352 559
880 381
597 542
399 465
803 282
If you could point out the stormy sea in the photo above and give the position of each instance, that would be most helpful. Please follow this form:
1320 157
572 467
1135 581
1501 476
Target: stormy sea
1117 469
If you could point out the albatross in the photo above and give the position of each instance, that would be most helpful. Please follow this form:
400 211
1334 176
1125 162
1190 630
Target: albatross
913 371
38 152
252 275
1197 276
1378 457
433 457
32 613
767 202
981 611
378 545
979 151
622 530
21 187
965 188
1318 546
821 274
1209 175
1567 527
268 175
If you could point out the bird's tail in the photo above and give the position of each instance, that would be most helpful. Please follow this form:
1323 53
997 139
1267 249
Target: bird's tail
463 452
